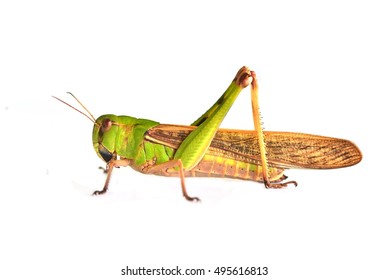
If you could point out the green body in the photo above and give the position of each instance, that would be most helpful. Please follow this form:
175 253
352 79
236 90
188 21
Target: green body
205 150
125 139
129 138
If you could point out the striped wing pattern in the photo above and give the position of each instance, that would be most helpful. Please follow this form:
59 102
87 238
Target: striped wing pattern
284 149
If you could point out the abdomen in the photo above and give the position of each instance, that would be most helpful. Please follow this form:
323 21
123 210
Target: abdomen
217 166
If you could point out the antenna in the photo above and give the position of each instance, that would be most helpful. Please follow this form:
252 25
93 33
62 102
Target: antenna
90 117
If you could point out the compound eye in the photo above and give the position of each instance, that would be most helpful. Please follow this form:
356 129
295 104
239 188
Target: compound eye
106 125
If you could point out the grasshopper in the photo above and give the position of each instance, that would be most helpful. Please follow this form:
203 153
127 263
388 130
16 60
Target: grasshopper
203 149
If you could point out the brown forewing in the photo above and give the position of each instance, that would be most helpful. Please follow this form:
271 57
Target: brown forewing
284 149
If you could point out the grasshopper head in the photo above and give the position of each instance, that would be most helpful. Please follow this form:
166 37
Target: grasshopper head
104 136
115 136
119 136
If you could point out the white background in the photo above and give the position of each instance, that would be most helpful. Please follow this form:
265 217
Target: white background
324 70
